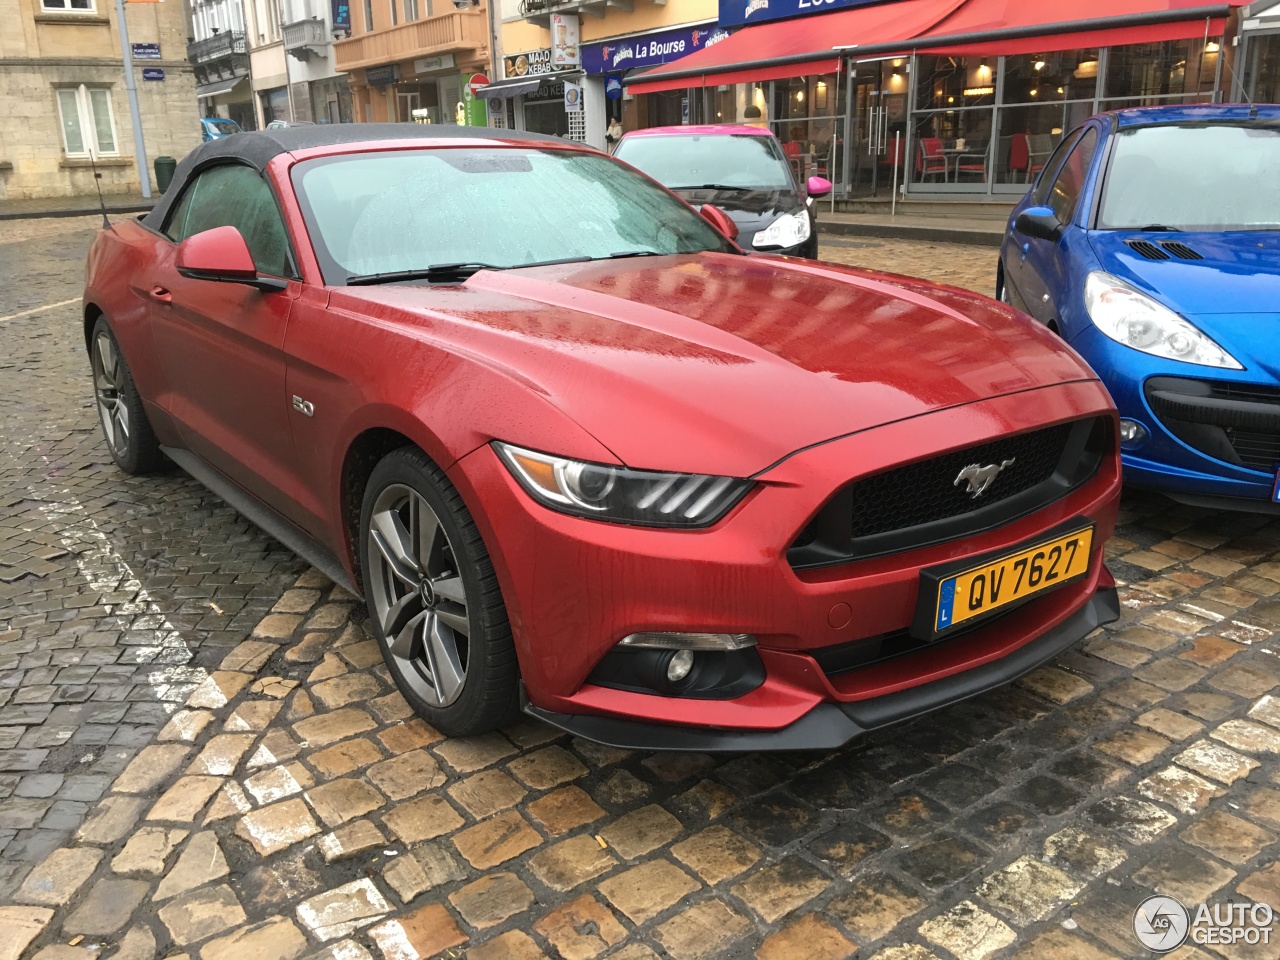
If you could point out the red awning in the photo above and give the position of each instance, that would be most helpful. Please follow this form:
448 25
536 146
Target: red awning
807 45
1059 29
794 48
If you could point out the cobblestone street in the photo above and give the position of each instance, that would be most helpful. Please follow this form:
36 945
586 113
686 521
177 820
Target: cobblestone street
202 755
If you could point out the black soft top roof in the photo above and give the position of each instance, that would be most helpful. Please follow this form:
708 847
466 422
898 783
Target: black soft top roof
259 147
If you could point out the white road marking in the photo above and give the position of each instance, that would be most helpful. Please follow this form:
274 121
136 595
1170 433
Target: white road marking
47 306
106 572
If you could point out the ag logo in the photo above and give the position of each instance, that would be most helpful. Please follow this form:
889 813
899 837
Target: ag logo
1160 923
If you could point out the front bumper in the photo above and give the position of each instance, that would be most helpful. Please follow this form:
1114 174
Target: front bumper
829 726
574 588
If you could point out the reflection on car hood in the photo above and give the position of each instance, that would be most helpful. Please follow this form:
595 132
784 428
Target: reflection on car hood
751 210
1239 273
728 362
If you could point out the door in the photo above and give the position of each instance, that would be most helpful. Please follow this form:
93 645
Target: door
1042 272
876 121
221 344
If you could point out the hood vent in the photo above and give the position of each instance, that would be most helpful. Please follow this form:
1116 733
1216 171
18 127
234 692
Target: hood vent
1180 250
1147 249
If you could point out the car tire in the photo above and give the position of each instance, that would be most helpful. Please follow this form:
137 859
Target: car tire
434 600
125 427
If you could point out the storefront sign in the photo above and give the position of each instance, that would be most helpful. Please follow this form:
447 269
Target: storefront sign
145 51
381 76
735 13
613 87
565 51
648 50
432 64
341 16
473 109
572 98
152 73
528 64
550 90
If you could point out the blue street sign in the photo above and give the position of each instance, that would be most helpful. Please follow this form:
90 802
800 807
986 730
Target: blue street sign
737 13
145 51
152 73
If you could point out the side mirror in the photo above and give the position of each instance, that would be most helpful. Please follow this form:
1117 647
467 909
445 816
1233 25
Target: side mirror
222 255
818 186
720 220
1039 222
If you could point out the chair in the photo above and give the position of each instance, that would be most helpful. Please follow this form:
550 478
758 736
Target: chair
931 160
1019 155
972 162
1039 149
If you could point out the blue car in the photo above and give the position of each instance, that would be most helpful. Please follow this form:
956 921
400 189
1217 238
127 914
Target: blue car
1151 243
211 128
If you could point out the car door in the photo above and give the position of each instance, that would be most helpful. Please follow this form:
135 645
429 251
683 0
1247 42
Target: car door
222 344
1044 266
1017 245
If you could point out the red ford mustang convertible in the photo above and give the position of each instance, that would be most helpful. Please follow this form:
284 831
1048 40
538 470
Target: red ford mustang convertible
583 455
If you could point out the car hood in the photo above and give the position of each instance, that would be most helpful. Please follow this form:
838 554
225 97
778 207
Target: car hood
721 363
751 210
1239 273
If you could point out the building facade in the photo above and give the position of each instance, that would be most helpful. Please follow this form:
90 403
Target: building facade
292 64
220 55
962 98
413 60
1257 73
590 46
63 106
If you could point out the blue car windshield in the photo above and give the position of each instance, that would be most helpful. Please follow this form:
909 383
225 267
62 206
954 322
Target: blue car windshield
700 160
1208 178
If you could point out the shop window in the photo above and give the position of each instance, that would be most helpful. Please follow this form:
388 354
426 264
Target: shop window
88 126
1051 77
67 6
955 82
1264 72
952 146
1178 70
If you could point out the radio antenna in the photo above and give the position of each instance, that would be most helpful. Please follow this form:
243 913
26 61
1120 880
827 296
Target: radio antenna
97 182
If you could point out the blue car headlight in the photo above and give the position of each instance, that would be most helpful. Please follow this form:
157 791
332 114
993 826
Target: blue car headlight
1130 317
788 230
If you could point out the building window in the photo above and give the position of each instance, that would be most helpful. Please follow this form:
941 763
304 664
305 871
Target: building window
88 127
368 16
67 6
394 13
410 11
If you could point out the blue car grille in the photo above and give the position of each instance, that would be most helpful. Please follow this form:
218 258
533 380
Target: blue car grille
921 503
1233 422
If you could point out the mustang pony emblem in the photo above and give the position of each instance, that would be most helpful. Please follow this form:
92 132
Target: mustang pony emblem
979 477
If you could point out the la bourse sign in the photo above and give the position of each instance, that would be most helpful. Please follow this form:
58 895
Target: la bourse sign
737 13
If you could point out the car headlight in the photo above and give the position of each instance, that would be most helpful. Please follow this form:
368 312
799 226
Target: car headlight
619 494
1132 318
787 231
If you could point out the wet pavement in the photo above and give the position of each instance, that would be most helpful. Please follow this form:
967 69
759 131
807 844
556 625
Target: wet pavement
201 753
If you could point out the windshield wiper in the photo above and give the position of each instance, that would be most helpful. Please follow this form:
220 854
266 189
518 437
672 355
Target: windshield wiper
436 273
1157 228
712 186
625 254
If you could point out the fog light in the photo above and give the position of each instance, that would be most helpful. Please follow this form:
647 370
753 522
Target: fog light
689 641
1131 431
679 665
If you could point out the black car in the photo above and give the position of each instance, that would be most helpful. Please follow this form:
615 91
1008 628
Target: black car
741 170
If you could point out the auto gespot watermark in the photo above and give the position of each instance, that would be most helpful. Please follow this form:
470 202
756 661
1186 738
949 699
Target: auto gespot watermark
1162 923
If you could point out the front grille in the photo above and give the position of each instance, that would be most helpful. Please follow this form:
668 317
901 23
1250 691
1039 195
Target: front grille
923 503
1238 423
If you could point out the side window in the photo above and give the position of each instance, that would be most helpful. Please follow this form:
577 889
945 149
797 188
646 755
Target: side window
1070 180
233 195
1050 168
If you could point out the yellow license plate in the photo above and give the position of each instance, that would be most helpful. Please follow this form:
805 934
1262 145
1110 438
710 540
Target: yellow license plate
1005 580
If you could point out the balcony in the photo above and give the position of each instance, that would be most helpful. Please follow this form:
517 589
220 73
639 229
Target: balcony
459 33
305 39
222 56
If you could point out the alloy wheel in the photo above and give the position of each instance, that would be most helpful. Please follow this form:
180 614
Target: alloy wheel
418 596
108 386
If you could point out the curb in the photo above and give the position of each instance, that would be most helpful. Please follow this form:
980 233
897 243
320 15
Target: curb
75 212
936 234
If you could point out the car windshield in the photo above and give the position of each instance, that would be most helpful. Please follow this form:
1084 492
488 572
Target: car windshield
224 126
408 210
1212 177
699 160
